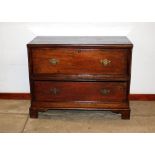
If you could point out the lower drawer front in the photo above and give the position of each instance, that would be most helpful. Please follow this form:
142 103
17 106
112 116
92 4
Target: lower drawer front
80 91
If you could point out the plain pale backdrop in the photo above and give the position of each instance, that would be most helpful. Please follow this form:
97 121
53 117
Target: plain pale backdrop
15 36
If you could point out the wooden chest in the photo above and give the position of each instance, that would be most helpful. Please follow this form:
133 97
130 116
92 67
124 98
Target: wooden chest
89 73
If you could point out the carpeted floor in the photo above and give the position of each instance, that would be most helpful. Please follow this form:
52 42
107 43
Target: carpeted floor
14 118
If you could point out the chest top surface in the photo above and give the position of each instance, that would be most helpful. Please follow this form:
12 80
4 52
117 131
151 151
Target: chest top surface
108 41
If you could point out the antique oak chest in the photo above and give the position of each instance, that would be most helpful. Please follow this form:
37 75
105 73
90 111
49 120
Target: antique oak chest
85 73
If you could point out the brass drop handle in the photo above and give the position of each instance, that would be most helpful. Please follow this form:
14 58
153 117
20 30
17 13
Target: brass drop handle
53 61
105 62
105 91
54 91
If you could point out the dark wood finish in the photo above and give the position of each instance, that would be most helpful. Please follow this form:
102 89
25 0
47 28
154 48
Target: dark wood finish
33 113
80 91
89 73
27 96
79 105
79 61
79 77
125 114
81 41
